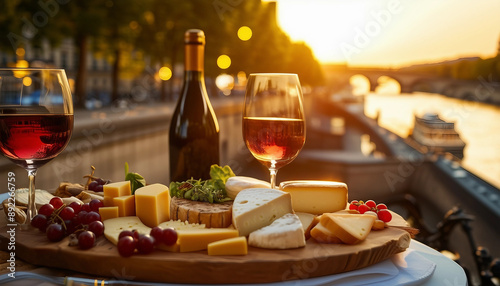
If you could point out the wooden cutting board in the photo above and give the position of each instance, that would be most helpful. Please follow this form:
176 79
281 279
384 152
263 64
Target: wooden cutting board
259 266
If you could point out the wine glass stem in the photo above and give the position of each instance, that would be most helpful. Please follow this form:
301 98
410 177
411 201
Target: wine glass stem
273 172
31 197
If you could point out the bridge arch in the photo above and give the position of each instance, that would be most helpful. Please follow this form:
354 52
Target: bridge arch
388 85
360 84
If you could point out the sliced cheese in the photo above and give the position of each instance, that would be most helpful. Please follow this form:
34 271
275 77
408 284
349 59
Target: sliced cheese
258 207
323 235
198 239
236 184
108 213
316 197
350 228
113 227
284 233
308 221
125 204
230 246
152 204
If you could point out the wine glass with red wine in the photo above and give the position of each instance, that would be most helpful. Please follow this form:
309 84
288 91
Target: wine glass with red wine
273 119
36 120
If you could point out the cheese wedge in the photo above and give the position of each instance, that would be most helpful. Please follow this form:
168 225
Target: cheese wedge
152 204
323 235
316 197
284 233
230 246
198 239
349 228
236 184
308 221
258 207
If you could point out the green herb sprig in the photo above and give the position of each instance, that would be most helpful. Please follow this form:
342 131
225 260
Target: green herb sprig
212 190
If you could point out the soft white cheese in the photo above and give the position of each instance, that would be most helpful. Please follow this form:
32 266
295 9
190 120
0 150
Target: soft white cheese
284 233
259 207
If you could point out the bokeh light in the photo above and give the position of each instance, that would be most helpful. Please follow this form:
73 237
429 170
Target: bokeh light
223 62
244 33
165 73
27 81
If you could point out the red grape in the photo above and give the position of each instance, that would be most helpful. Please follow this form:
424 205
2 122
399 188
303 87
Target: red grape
97 227
126 246
67 213
93 185
125 233
86 207
56 202
169 236
363 208
81 216
384 215
99 188
46 210
95 204
156 233
91 216
77 207
371 203
39 221
86 239
145 244
55 232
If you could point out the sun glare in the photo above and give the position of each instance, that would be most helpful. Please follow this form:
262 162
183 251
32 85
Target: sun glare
392 32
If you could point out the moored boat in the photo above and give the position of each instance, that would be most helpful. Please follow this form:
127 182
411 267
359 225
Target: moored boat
438 136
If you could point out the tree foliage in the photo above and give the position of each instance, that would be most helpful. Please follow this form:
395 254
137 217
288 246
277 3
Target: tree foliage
113 29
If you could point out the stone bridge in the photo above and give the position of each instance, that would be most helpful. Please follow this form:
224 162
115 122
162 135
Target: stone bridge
410 81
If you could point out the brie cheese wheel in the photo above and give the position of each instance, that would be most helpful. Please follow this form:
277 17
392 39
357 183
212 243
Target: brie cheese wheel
258 207
284 233
236 184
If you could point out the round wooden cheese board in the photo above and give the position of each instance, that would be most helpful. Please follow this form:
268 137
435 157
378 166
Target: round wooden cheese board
259 266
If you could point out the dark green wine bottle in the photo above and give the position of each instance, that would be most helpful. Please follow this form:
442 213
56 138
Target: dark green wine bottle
194 130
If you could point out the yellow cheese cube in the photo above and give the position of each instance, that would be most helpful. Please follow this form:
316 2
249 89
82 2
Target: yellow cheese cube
108 201
152 204
125 204
108 212
230 246
316 197
117 189
198 239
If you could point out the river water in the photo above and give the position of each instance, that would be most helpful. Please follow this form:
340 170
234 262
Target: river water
478 124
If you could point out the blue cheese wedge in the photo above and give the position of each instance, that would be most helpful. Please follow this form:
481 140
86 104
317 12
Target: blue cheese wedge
259 207
284 233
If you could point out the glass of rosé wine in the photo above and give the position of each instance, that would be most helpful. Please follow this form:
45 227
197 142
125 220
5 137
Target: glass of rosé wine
274 127
36 120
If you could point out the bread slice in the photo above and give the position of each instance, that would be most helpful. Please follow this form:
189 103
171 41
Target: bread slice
349 228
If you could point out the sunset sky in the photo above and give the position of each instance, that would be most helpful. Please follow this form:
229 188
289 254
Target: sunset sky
392 33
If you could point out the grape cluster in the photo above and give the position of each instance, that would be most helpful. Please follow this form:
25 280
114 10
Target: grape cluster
370 207
81 221
97 185
130 240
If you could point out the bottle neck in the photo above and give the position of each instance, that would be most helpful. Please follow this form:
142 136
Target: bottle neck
194 58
